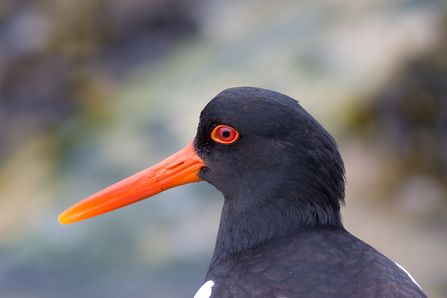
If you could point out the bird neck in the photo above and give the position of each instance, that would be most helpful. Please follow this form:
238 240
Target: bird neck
244 226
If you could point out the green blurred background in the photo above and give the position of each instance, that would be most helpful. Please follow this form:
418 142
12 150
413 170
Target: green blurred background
92 91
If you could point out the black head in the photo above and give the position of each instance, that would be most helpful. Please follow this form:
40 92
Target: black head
284 171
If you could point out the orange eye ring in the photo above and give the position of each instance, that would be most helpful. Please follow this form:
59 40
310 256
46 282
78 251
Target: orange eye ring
224 134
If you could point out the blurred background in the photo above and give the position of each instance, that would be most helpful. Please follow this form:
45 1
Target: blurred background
92 91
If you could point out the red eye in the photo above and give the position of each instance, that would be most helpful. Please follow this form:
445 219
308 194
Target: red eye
224 134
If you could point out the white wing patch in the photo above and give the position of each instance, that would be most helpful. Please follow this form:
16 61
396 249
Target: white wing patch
409 275
205 290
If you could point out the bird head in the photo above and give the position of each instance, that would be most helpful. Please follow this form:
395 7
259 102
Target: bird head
260 148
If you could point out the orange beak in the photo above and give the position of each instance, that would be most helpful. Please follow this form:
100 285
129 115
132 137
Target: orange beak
178 169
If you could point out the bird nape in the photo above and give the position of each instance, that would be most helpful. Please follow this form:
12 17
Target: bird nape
282 178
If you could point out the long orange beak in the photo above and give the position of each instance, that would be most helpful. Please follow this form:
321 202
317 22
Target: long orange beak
178 169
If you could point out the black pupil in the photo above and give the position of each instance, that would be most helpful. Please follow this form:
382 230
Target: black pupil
226 133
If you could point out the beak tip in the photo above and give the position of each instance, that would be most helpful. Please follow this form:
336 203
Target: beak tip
64 219
61 219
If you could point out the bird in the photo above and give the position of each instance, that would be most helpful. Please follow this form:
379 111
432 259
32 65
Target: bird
283 182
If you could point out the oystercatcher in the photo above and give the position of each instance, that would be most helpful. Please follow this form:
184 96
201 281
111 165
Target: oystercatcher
282 177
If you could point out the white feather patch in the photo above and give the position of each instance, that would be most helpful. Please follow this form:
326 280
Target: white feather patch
205 290
409 275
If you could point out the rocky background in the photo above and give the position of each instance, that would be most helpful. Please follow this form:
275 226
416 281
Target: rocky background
92 91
